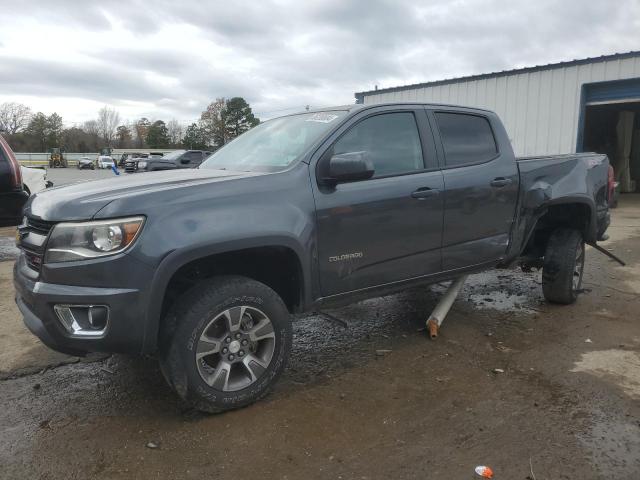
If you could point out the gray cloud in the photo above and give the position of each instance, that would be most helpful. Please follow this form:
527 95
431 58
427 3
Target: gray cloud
281 55
48 78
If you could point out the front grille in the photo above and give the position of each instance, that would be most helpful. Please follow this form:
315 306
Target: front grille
130 167
32 241
40 226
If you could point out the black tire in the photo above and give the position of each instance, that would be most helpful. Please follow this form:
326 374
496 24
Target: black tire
195 313
563 266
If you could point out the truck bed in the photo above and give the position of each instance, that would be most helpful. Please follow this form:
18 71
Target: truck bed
551 180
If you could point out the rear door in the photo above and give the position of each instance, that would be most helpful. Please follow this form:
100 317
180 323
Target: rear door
481 187
387 228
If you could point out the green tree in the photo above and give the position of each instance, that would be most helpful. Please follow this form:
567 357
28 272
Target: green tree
212 123
76 139
55 126
124 136
238 117
195 137
158 135
37 131
141 129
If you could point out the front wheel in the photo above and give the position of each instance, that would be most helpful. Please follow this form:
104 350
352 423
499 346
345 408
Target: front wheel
563 266
225 343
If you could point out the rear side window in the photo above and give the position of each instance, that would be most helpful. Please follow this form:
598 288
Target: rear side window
391 140
466 138
192 156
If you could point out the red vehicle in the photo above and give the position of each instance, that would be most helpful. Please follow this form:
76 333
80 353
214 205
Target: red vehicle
12 193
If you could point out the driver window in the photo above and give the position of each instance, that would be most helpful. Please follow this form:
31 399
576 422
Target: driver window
391 140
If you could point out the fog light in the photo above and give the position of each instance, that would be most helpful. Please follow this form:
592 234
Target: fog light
83 320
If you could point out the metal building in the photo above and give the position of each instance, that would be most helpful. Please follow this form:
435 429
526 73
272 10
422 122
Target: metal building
580 105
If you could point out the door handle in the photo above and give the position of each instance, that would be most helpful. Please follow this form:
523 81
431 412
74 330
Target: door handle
423 192
500 182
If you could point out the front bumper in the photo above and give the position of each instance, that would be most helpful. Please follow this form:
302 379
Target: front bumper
36 301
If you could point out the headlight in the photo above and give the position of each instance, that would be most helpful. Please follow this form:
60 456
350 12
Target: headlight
142 164
82 240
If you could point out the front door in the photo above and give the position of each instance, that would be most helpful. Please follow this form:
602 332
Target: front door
387 228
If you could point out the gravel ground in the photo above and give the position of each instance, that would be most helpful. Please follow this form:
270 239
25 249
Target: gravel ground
376 399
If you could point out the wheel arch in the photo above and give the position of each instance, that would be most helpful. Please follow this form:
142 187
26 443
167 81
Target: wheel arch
576 212
219 259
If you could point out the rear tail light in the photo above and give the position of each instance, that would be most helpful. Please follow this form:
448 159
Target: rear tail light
14 166
611 182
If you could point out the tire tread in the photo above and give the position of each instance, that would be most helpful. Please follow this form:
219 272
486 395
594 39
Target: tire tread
558 266
202 296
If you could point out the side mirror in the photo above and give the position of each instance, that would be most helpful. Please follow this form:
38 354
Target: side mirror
349 167
184 161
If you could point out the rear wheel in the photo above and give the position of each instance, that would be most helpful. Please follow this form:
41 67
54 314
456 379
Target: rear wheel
225 343
563 266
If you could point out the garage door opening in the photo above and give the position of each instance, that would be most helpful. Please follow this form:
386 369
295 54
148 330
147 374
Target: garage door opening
614 129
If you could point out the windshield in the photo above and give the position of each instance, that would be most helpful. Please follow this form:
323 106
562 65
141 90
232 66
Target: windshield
172 155
273 145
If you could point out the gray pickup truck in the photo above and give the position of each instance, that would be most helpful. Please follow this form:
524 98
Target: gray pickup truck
202 268
170 161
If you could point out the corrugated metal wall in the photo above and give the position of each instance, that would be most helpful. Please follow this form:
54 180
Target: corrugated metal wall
540 109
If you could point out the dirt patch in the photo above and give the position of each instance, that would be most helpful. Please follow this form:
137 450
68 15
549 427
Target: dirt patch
20 351
621 367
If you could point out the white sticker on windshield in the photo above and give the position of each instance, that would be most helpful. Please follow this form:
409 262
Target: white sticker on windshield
322 117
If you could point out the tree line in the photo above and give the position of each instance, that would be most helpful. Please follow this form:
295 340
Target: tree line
222 120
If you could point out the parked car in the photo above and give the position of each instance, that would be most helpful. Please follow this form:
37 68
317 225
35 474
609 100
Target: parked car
12 193
85 163
203 267
105 161
170 161
129 156
34 179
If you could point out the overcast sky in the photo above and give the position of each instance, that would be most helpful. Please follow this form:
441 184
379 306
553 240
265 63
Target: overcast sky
169 59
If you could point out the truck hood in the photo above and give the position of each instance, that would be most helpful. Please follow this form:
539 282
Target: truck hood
81 201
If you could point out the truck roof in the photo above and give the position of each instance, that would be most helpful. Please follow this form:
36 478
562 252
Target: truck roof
359 106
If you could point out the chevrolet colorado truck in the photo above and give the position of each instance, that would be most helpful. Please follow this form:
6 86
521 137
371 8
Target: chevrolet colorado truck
303 211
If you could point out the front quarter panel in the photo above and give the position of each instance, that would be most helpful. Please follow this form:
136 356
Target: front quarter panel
203 220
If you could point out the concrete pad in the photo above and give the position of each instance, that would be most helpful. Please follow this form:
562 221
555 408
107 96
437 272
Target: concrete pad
8 250
20 351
